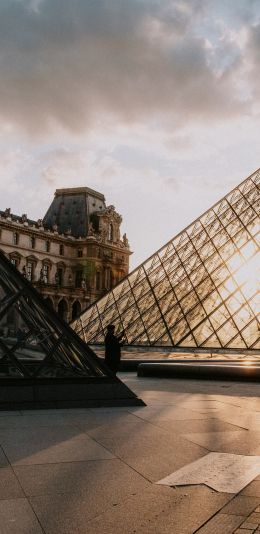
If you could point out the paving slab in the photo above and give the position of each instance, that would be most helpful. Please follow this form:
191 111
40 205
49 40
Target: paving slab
235 441
17 517
153 451
115 429
153 512
50 445
149 511
168 413
99 480
195 425
9 485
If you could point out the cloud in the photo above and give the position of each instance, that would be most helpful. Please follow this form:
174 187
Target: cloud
75 64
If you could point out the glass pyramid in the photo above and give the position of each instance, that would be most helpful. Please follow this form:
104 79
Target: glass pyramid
30 332
42 360
200 290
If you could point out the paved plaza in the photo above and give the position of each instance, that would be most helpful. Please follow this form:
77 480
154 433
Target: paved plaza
96 471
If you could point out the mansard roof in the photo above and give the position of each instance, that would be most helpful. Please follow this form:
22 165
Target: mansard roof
71 210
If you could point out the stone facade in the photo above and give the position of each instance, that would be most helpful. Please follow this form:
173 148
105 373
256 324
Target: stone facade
74 254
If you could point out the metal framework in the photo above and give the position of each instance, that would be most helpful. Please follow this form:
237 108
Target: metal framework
200 290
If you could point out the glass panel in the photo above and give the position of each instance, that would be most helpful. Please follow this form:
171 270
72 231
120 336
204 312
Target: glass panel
219 317
156 275
121 289
183 288
162 288
150 316
136 277
205 288
212 302
167 251
179 331
151 264
140 289
198 275
164 341
237 343
173 315
251 334
155 331
167 302
189 302
146 302
227 332
195 316
220 239
188 341
203 332
212 342
243 317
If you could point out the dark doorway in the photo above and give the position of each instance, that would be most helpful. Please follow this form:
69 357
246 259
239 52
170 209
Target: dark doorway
76 309
63 309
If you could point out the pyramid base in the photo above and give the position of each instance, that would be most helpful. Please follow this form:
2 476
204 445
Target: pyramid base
23 394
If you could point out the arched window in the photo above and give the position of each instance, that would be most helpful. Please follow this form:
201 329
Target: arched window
76 309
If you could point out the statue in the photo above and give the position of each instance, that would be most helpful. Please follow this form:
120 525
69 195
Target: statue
90 229
42 278
125 241
83 283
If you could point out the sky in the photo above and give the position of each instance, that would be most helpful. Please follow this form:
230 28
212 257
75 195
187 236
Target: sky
154 103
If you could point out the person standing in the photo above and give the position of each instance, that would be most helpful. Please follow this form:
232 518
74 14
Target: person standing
113 345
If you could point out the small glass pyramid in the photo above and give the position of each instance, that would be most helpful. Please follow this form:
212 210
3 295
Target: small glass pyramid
43 363
200 290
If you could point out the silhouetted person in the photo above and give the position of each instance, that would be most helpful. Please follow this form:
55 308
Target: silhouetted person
113 348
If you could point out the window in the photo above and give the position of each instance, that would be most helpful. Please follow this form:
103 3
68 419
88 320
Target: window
61 250
14 261
59 276
47 246
110 232
98 280
78 279
45 272
108 278
32 241
30 269
80 253
15 238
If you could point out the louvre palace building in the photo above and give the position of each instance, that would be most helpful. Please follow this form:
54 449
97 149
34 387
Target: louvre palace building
72 256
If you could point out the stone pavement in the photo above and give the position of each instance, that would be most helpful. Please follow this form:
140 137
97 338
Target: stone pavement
94 471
